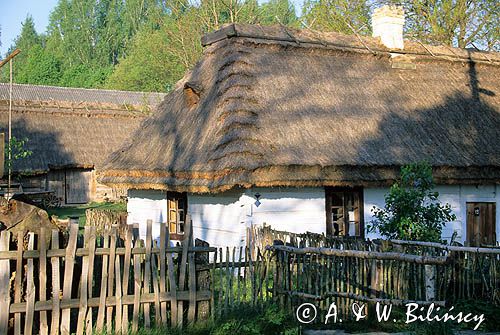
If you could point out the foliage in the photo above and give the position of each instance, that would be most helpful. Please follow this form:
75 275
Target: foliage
16 148
148 45
79 211
345 16
412 209
460 23
39 67
241 320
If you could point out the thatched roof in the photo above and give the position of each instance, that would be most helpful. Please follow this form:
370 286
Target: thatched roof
71 127
271 106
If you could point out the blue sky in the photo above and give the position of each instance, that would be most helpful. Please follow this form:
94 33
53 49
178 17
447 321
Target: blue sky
13 13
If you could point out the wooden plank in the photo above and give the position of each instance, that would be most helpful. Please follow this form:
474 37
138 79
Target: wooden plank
90 282
69 264
56 286
11 255
30 289
137 290
111 279
182 271
171 282
147 272
156 289
82 309
163 284
4 284
18 281
118 295
110 301
42 247
104 282
126 273
192 274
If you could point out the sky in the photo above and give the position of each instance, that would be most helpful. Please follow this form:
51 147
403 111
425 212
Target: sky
14 12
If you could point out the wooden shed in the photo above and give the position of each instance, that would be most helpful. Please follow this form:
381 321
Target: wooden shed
70 131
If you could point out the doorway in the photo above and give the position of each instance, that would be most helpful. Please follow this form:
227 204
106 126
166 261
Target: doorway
481 221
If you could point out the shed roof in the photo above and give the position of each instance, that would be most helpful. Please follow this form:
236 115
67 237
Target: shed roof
272 106
71 127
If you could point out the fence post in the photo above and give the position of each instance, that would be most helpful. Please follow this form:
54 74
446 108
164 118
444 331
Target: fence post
4 284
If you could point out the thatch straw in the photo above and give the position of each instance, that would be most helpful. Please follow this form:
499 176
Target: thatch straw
314 112
69 128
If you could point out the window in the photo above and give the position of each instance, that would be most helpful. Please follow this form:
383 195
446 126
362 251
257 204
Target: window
177 208
344 211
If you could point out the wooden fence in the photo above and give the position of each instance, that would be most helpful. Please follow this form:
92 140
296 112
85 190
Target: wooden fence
52 283
105 284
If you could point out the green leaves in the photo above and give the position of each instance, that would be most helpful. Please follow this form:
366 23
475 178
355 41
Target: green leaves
412 209
16 148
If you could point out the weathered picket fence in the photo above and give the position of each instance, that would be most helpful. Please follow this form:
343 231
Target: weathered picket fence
51 284
107 283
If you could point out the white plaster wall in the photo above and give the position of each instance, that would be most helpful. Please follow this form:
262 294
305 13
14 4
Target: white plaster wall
456 195
143 205
222 219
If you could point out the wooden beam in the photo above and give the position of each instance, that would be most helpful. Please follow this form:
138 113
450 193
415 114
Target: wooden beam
9 57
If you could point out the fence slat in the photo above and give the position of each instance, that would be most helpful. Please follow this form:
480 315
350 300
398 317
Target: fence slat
4 284
69 263
91 247
182 271
111 279
30 290
171 282
104 282
147 272
18 281
163 285
192 275
126 273
118 295
56 286
137 289
42 247
82 309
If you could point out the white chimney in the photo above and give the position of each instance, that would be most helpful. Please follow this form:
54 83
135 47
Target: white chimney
387 22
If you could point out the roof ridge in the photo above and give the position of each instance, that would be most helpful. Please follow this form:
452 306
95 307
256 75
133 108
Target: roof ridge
336 40
82 88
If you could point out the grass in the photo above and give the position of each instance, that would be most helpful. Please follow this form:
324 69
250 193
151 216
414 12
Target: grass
244 319
79 211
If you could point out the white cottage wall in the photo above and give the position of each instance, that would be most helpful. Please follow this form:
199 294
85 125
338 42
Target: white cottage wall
143 205
222 219
456 195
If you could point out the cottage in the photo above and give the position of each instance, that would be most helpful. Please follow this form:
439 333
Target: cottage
70 131
305 131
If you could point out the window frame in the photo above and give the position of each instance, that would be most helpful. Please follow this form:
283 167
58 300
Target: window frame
358 191
180 214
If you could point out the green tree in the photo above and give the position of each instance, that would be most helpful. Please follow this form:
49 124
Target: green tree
26 41
412 209
345 16
150 65
459 23
39 68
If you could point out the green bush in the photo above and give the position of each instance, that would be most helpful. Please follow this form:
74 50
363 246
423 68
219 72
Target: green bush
412 209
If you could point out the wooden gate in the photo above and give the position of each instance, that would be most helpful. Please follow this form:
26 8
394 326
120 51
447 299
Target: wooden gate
78 186
481 217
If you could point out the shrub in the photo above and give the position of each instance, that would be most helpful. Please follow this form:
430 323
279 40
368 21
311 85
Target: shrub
412 209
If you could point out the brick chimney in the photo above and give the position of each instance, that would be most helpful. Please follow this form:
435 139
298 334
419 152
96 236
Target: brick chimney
387 23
